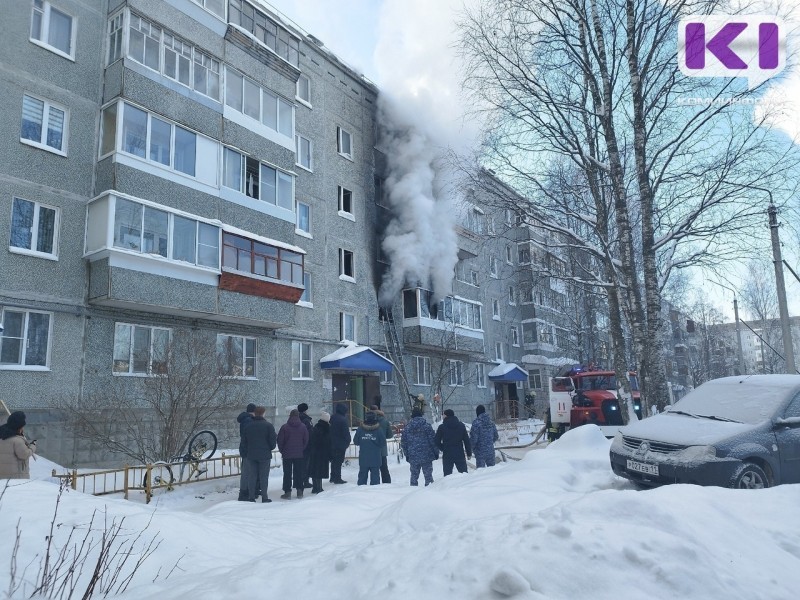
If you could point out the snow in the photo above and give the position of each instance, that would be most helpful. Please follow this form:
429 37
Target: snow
349 349
502 369
555 525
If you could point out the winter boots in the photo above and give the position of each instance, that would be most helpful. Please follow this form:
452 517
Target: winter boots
316 488
286 495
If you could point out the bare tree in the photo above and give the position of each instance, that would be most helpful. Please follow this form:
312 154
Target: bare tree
596 83
760 299
152 418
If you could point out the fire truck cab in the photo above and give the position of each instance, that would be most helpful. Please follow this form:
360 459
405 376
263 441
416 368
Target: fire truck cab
580 395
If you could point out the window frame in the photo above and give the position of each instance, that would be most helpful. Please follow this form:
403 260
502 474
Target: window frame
455 373
340 133
132 351
298 154
495 309
343 255
298 96
298 228
244 357
345 198
535 379
47 9
24 339
498 351
344 317
32 251
480 375
47 106
277 259
494 267
298 348
514 333
426 366
305 297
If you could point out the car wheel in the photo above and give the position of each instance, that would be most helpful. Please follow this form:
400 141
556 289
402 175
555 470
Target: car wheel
749 476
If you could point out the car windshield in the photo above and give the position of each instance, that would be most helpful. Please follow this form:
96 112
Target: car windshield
634 383
751 400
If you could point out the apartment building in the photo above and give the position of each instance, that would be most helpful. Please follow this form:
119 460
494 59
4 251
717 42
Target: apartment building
196 182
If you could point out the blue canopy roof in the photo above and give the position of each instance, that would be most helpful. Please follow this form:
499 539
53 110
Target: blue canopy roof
356 358
507 373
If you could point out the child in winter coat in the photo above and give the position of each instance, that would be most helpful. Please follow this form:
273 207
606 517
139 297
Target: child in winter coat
370 440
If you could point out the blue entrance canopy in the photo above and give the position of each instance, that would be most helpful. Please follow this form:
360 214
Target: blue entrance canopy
507 373
356 358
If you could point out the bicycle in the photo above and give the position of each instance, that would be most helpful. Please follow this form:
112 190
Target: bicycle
202 446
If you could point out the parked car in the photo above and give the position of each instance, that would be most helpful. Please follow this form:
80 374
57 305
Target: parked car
740 432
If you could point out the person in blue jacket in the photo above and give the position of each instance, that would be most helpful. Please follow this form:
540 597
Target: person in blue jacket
483 435
419 447
453 440
370 440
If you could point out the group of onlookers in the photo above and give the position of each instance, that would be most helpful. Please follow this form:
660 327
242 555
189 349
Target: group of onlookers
311 453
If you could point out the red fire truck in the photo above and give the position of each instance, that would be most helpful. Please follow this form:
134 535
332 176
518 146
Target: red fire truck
581 395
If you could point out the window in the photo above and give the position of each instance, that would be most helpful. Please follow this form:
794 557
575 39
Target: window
304 217
512 297
476 221
155 140
25 339
347 327
480 375
257 180
266 31
514 336
301 360
345 201
236 356
422 370
303 152
493 267
346 267
380 191
306 297
215 6
148 230
508 255
526 295
456 372
535 379
34 227
245 96
498 351
490 225
52 29
473 276
530 333
43 124
177 59
140 350
304 89
115 35
343 143
524 254
495 309
166 53
144 41
253 257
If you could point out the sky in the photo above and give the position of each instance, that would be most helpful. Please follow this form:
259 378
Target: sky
407 48
557 524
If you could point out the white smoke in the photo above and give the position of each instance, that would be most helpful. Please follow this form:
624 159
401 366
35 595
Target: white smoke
422 119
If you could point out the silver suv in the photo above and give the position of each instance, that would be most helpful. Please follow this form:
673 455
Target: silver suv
741 432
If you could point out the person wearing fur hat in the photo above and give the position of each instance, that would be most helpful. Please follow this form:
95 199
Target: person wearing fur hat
306 420
419 447
483 435
340 440
453 440
389 434
243 419
370 440
15 450
320 452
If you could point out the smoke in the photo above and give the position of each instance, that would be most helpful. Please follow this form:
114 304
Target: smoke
421 114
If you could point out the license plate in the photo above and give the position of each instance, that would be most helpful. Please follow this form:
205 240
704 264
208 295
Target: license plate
643 468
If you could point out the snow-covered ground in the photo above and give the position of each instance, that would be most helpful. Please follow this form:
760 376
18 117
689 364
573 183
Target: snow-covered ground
556 524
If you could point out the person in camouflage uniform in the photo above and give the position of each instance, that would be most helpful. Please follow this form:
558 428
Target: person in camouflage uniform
483 435
419 447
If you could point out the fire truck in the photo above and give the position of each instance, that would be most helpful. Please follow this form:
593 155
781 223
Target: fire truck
581 395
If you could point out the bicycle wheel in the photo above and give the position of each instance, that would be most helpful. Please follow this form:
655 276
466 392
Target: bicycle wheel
162 475
202 445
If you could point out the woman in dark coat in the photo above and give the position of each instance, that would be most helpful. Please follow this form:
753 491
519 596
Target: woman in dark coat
320 457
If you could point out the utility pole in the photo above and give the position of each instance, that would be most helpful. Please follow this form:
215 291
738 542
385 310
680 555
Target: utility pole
739 353
780 285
